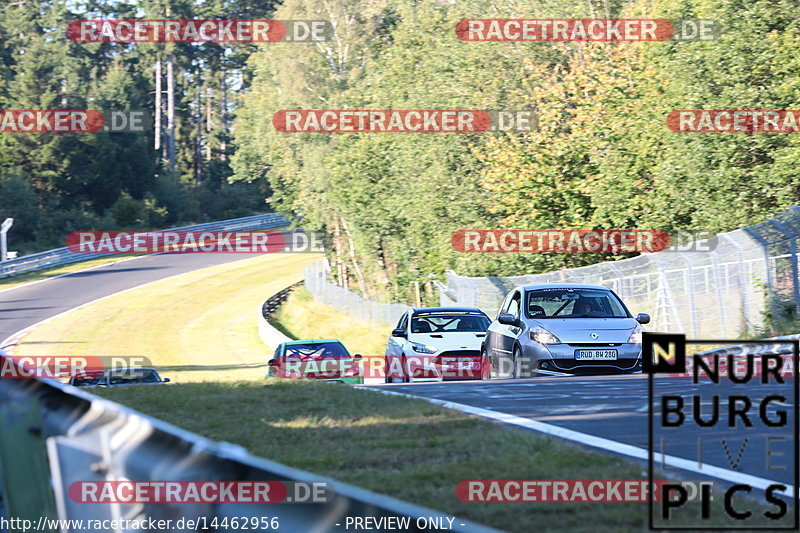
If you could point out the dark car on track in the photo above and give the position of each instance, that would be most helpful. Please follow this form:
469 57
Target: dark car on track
114 378
322 359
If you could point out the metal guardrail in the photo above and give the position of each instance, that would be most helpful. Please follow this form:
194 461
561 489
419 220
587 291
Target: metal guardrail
272 303
63 256
53 435
267 332
755 347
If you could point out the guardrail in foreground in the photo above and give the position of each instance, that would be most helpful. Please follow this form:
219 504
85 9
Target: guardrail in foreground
63 256
53 435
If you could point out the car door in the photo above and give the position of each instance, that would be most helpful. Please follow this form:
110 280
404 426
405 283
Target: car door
493 334
394 348
507 334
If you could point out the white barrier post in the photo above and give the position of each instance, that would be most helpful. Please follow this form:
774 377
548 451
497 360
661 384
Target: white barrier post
3 246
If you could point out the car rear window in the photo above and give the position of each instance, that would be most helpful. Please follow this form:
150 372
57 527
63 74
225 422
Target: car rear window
315 350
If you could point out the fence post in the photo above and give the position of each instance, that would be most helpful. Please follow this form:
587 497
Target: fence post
765 246
740 277
792 260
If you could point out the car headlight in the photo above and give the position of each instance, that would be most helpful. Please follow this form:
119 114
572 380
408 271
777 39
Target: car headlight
542 336
636 336
422 348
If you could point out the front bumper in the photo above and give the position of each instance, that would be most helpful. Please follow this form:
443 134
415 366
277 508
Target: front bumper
561 357
349 380
443 366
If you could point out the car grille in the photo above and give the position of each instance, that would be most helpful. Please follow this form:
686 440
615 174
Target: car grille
594 344
459 353
569 365
453 356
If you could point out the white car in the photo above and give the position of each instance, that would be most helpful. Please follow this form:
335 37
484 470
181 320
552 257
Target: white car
436 344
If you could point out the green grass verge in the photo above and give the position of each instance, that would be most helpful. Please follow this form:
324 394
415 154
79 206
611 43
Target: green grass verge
301 317
406 448
197 326
22 279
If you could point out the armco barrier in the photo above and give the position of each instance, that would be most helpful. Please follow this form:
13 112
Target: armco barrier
54 435
63 256
267 332
755 348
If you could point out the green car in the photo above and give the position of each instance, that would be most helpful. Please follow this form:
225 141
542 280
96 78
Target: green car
323 359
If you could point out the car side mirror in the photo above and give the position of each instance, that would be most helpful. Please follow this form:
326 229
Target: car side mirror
357 357
271 362
643 318
399 332
508 319
165 380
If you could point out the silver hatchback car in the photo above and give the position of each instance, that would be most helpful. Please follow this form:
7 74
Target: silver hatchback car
565 328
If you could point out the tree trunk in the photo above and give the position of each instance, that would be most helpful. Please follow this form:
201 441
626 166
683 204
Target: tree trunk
223 118
209 123
362 284
157 123
337 250
383 270
198 140
171 112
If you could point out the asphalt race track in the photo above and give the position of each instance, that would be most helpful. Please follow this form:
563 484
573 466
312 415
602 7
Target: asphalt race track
616 408
23 306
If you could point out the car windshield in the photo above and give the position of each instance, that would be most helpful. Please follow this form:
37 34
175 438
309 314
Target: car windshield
135 375
315 350
574 303
450 322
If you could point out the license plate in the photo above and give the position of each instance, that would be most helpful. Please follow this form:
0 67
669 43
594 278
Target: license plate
596 354
463 365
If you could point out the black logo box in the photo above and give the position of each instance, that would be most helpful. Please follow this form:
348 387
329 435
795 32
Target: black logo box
677 366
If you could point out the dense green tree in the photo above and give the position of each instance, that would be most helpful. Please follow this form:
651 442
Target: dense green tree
601 157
